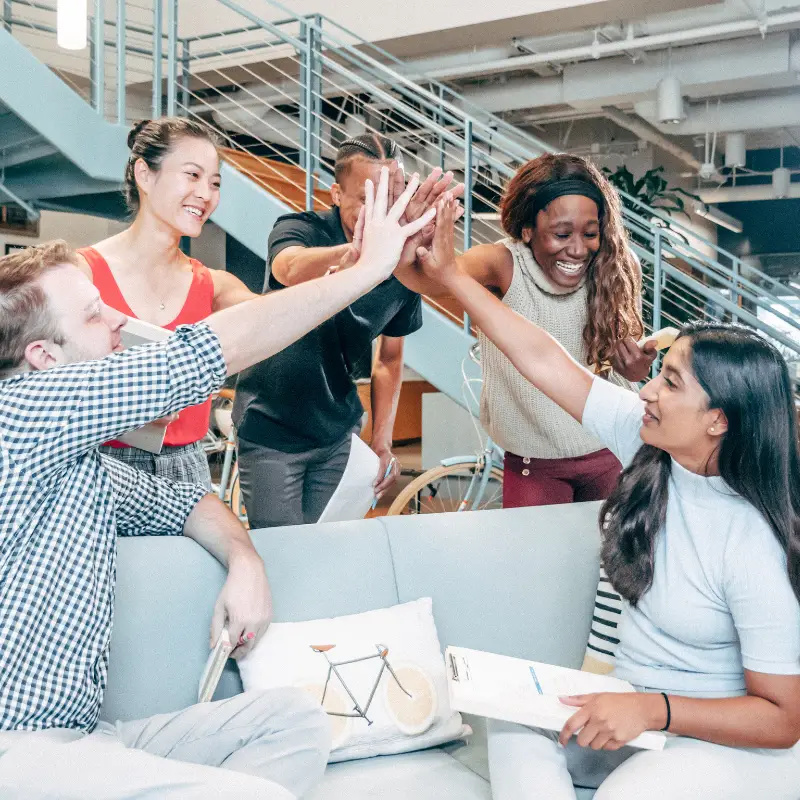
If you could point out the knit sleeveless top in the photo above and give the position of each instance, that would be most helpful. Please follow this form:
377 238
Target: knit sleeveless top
514 413
192 422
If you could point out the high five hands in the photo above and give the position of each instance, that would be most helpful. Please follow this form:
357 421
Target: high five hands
419 203
438 260
383 228
427 196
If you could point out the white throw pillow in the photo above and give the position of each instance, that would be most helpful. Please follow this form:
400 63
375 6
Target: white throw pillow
409 707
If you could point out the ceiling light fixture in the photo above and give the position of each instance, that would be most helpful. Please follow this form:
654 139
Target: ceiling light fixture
71 23
670 101
735 150
781 180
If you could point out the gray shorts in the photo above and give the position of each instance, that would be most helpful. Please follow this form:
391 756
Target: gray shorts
183 463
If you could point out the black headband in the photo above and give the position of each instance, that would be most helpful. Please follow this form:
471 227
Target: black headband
550 191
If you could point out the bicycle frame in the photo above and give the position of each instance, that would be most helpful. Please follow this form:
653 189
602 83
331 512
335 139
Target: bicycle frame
332 665
227 465
491 458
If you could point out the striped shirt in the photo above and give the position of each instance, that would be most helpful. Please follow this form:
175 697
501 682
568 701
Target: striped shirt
62 506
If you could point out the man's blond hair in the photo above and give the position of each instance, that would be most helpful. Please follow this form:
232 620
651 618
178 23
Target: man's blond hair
25 315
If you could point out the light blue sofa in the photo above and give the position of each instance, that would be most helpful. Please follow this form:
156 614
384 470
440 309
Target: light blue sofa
519 582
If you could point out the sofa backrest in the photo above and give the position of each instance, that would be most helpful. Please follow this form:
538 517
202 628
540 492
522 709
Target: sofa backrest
519 582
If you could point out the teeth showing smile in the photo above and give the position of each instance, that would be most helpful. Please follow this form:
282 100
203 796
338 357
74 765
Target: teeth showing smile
195 212
569 267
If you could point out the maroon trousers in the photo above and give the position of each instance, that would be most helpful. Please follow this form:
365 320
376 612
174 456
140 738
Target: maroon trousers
553 481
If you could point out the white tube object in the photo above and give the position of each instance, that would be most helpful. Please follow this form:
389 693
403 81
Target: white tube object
71 23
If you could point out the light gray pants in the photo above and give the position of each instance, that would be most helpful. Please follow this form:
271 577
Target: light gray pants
272 745
289 488
529 764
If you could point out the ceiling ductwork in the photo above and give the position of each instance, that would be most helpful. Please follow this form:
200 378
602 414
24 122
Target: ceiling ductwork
631 43
758 113
644 130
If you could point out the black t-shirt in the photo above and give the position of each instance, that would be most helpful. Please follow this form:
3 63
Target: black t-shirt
305 397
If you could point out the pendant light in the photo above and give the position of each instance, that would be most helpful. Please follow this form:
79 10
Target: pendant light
71 24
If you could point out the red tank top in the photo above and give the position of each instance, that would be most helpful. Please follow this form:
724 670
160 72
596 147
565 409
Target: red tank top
192 424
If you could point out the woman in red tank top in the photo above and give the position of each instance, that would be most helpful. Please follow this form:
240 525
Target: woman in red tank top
172 186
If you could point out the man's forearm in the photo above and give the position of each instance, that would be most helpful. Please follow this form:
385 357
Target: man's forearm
215 528
307 263
387 381
259 328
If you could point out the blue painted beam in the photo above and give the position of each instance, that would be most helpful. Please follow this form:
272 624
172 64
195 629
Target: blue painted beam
246 211
436 352
24 155
44 102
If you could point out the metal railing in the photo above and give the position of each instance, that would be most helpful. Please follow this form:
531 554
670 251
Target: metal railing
292 89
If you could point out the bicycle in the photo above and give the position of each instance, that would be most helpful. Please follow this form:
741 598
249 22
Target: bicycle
410 703
460 483
228 489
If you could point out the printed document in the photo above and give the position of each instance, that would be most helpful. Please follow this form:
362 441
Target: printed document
355 493
527 692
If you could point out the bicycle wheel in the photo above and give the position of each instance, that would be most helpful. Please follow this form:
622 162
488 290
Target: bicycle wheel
415 714
441 490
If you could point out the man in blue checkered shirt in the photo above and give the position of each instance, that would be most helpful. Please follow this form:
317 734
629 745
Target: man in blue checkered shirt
62 506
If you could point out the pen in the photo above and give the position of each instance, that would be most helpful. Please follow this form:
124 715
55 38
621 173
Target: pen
385 476
536 681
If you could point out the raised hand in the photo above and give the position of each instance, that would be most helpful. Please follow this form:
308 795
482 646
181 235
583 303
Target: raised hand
384 233
633 362
439 261
426 196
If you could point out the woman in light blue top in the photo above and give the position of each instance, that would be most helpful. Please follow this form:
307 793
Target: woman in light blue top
701 538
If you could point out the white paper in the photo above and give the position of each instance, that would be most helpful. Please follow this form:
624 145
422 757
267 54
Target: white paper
355 492
501 687
151 436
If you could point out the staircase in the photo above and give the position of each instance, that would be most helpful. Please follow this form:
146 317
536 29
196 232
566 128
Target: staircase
283 91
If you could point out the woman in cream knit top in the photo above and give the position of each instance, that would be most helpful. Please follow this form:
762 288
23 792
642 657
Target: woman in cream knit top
516 414
566 267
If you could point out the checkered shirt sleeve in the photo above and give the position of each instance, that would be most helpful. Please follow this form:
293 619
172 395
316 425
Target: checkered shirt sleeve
61 507
149 505
54 416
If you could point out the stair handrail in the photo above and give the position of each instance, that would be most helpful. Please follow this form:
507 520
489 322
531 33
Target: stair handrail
535 143
666 239
734 277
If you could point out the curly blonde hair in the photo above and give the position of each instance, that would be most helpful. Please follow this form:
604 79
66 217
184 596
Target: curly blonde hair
614 279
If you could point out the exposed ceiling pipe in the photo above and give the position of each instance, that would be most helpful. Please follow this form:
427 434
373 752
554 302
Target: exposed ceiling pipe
758 113
644 130
723 30
744 194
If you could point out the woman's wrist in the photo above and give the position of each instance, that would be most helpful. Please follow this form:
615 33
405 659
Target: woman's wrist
657 713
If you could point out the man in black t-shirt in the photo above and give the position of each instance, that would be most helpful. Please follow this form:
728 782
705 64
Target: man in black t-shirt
295 412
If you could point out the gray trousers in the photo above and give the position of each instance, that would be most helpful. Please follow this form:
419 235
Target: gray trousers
271 745
289 488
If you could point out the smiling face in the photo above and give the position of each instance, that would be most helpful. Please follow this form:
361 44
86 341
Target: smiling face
677 416
565 239
184 191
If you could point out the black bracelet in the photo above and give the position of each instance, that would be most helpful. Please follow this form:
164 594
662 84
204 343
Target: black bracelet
669 711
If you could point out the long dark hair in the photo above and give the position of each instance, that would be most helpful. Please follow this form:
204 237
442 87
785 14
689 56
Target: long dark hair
747 379
614 279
